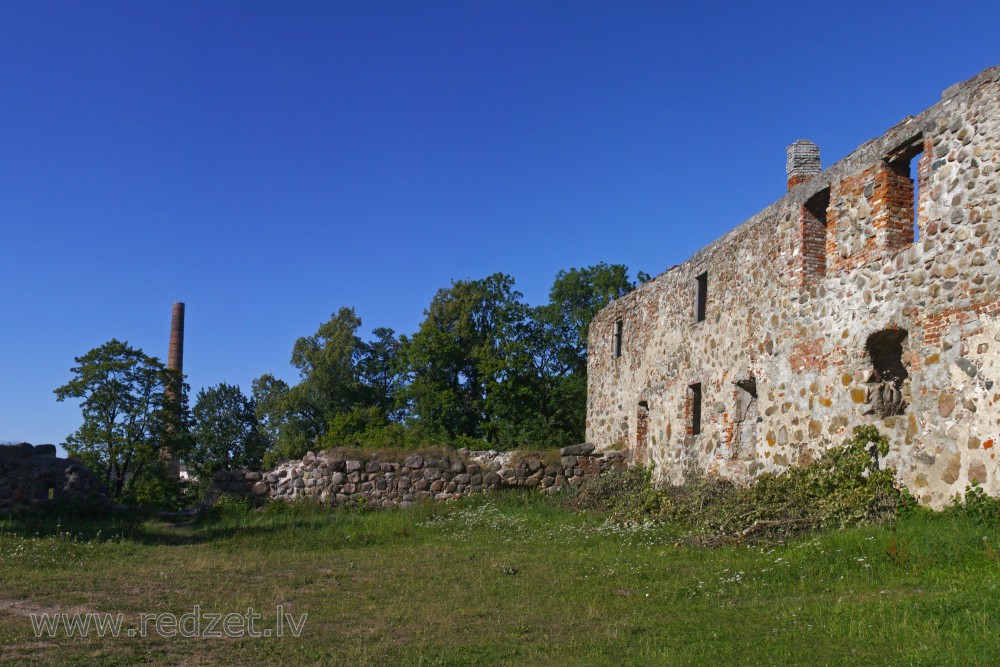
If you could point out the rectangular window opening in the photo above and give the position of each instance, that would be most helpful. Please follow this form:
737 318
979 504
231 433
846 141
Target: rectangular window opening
701 297
695 398
905 161
618 339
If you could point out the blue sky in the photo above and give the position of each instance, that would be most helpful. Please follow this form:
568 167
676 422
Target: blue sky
267 163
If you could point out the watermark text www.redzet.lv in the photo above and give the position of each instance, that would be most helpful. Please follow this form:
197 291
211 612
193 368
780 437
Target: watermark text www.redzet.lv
195 623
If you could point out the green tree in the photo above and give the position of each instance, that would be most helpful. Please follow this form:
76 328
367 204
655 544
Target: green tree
130 419
559 335
269 396
327 365
577 295
383 373
461 357
226 432
313 412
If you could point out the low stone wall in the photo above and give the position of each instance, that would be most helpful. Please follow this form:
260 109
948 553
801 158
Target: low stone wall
337 478
33 475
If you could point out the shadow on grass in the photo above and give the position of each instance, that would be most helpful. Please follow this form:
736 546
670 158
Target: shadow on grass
232 524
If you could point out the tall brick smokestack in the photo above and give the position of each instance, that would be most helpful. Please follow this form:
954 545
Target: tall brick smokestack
175 362
175 354
801 162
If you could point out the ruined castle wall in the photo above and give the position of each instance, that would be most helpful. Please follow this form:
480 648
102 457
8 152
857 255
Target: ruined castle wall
336 478
822 313
34 475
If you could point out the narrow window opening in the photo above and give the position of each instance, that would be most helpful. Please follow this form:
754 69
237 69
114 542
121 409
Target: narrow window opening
746 418
695 398
618 338
642 429
906 163
915 176
701 297
814 237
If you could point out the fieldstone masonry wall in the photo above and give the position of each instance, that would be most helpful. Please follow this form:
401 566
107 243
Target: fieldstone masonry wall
335 477
32 475
832 308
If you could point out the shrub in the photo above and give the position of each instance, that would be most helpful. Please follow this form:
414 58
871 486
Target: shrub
627 494
843 487
976 504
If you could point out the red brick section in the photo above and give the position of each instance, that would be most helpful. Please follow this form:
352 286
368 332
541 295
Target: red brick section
641 433
890 199
842 195
799 179
892 207
689 411
807 355
728 424
936 325
812 258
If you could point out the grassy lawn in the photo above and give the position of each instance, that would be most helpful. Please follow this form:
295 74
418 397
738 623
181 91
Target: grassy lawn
507 579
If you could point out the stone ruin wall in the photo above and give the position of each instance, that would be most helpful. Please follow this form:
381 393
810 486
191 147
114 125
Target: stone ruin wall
822 314
34 475
339 478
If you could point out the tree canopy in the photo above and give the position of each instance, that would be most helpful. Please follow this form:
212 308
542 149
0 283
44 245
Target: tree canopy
129 421
484 369
226 433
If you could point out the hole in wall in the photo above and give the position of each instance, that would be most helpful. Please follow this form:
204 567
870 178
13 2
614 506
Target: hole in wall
885 348
694 398
642 428
745 420
701 297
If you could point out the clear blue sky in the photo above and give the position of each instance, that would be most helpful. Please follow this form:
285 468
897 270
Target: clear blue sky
267 163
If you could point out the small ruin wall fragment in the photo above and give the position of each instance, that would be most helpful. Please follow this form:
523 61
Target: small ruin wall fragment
32 475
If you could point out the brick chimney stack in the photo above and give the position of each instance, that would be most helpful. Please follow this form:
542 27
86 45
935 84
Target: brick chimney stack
175 361
175 353
801 162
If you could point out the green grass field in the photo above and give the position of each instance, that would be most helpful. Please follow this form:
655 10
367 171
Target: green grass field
507 579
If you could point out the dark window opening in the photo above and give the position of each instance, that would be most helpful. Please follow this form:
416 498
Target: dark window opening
618 338
748 385
818 204
701 297
695 408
